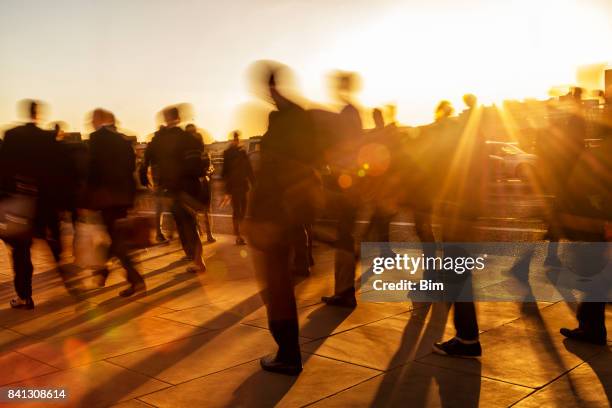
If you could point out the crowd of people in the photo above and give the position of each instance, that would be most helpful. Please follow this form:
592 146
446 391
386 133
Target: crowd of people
309 161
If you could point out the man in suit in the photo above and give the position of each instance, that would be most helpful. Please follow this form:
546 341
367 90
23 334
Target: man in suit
344 191
111 189
177 156
237 174
284 199
29 166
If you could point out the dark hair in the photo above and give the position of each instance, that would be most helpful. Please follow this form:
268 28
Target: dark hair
171 113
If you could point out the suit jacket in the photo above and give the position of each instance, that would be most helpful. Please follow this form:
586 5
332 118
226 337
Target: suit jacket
30 163
111 180
237 171
177 156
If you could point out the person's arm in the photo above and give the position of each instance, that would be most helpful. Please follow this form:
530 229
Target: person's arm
131 157
249 170
144 179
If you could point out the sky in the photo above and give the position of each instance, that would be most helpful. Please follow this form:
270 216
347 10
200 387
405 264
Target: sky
134 57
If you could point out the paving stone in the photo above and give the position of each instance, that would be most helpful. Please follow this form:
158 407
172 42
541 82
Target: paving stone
520 356
553 318
419 385
588 385
200 355
10 340
490 314
100 384
88 347
17 367
248 385
381 345
320 320
113 313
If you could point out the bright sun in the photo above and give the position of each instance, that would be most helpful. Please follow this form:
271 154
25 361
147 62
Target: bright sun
414 58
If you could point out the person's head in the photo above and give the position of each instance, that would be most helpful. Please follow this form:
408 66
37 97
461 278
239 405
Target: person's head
576 93
377 116
344 85
470 100
191 128
444 110
172 116
235 137
101 117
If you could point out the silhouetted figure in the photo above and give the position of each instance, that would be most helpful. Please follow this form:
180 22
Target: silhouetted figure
29 163
284 199
159 193
177 156
205 196
345 194
567 144
586 217
461 169
111 190
238 175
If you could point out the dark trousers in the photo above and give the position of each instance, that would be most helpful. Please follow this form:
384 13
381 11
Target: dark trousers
47 227
239 208
186 224
345 258
22 265
592 317
461 228
465 321
119 245
272 250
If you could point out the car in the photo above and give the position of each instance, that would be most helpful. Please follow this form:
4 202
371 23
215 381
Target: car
510 162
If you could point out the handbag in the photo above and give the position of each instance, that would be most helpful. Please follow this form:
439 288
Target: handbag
91 245
17 212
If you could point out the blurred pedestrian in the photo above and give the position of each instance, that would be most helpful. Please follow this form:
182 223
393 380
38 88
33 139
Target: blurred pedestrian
30 172
284 199
111 190
177 156
238 177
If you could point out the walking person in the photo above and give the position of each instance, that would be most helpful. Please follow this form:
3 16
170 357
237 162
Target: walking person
284 199
461 171
238 177
205 196
111 190
177 156
29 169
344 191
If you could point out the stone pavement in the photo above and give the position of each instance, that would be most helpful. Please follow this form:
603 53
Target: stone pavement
195 340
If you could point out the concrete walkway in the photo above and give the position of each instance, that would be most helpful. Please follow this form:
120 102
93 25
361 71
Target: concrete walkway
195 341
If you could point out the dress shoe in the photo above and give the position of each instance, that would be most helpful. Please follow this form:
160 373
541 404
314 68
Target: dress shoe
340 300
585 336
19 303
456 347
196 267
134 288
273 364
